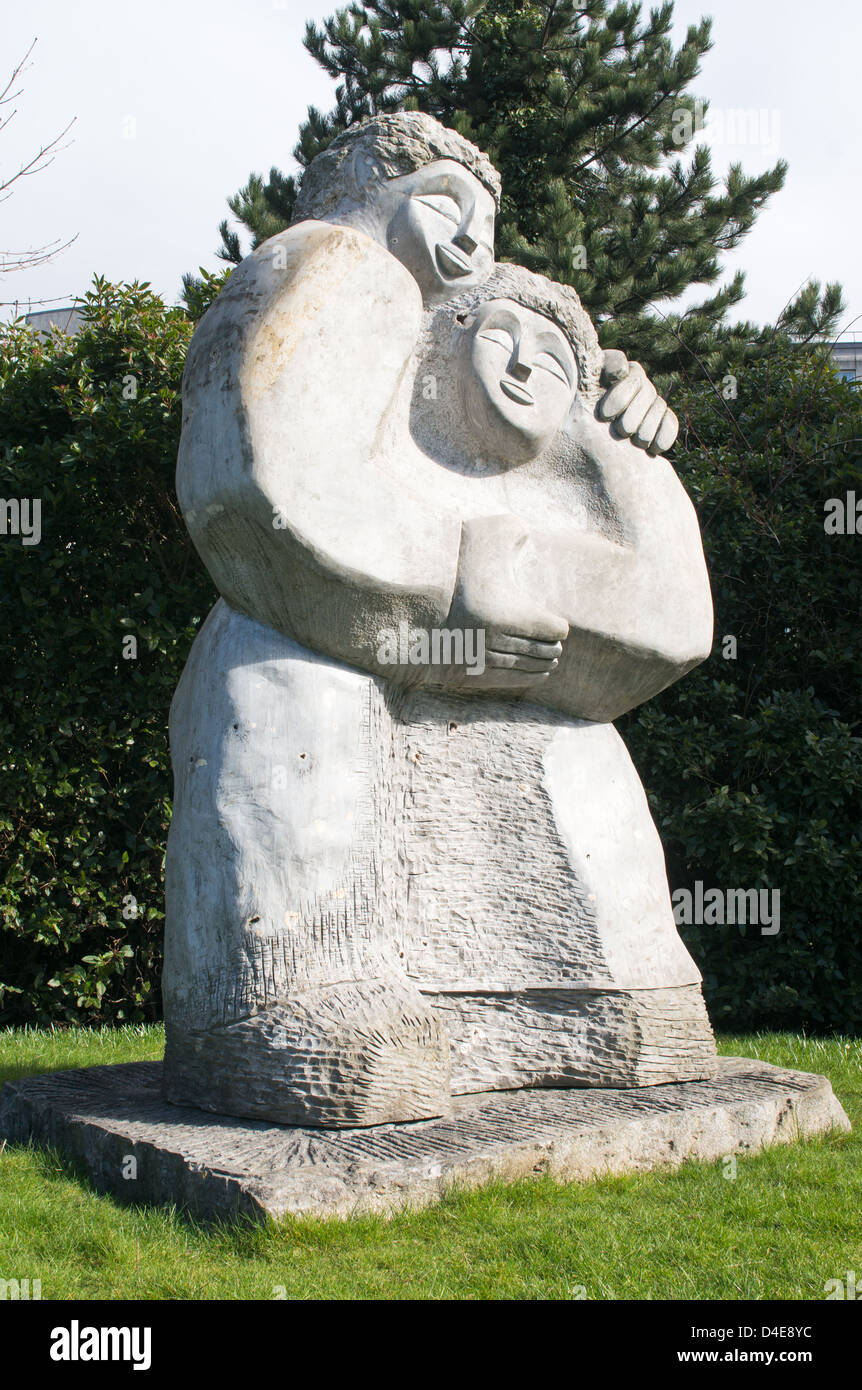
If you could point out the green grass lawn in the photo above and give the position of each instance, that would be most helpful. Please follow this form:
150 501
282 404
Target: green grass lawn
788 1222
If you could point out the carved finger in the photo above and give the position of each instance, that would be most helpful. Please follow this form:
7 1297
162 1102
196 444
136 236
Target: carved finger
510 661
497 678
667 433
648 427
630 422
523 646
544 627
615 367
622 395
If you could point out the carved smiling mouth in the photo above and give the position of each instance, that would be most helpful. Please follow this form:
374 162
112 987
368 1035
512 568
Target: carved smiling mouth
452 261
516 391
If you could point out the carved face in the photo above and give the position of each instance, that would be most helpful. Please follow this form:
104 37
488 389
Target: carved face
441 227
518 379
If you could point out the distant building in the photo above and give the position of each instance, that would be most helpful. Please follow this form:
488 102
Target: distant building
847 354
67 320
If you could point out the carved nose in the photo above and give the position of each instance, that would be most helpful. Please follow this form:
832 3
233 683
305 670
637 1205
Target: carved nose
520 370
465 243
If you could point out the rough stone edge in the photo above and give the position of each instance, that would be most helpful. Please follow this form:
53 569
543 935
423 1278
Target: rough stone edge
634 1143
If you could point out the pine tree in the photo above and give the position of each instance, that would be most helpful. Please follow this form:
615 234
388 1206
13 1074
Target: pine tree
587 113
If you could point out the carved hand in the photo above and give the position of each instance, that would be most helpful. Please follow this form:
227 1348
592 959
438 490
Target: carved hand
523 639
634 406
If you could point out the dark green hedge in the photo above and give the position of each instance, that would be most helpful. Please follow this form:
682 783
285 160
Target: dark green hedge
90 426
753 765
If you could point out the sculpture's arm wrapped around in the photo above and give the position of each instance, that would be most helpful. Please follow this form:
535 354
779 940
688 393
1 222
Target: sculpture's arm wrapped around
638 604
288 380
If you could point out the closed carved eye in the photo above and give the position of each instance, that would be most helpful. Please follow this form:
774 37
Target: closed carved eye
441 204
499 337
549 363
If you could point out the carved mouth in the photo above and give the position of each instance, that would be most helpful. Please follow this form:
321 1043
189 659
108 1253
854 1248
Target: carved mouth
516 391
452 261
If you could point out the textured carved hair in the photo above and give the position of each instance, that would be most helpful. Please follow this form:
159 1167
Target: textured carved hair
559 303
380 148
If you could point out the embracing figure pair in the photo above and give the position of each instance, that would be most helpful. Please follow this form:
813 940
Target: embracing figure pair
388 883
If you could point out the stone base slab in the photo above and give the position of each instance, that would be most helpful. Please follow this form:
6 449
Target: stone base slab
101 1117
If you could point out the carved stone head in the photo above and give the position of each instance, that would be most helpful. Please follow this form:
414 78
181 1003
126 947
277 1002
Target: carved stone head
422 191
525 350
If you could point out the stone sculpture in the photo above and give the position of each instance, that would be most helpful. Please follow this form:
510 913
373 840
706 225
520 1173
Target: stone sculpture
389 882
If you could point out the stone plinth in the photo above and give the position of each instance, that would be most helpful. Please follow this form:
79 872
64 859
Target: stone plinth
101 1117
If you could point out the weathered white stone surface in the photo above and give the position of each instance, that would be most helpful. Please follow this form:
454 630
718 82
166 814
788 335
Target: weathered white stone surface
217 1166
358 873
389 884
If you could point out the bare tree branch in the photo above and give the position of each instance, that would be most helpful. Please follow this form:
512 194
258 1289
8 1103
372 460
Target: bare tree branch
38 255
23 260
4 95
33 166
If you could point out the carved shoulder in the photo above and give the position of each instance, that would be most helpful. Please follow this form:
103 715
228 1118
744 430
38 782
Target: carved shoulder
303 351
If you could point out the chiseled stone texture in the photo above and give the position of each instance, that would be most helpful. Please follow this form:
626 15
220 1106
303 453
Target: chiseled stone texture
215 1165
380 898
387 886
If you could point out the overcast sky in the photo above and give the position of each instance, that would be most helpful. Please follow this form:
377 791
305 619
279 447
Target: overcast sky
176 101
